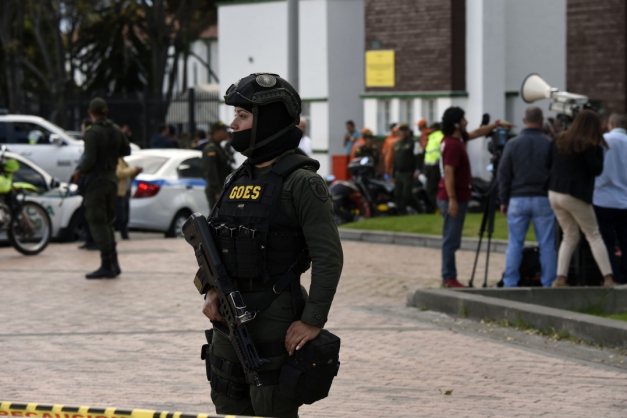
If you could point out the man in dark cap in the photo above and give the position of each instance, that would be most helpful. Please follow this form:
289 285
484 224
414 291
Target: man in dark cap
405 164
216 164
104 144
278 215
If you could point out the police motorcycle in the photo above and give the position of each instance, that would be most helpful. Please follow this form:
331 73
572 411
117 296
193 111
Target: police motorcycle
363 196
26 223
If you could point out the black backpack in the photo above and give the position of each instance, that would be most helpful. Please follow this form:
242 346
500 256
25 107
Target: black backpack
530 268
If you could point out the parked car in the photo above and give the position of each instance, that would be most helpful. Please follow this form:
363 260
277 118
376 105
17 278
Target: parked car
61 206
44 143
169 189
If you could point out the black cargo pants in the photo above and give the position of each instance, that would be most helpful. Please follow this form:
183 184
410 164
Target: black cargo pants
99 213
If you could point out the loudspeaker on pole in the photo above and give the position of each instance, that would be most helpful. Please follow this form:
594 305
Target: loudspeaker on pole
535 88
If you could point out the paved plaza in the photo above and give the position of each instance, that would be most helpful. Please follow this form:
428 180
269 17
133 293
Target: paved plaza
134 342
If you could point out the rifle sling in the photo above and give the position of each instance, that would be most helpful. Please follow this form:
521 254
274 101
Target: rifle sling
291 278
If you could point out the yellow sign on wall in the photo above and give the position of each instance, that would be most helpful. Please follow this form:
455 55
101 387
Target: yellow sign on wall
380 68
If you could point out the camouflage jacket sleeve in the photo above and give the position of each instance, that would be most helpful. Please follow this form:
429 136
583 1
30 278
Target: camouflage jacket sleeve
313 210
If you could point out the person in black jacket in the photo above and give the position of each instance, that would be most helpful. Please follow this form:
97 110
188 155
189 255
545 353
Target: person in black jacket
575 159
522 179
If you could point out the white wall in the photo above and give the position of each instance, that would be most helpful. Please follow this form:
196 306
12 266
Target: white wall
319 126
535 43
345 23
313 58
253 39
485 73
370 115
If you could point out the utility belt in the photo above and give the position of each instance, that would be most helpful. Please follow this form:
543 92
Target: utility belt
306 376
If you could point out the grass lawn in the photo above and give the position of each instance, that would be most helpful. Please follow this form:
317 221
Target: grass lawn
620 316
432 225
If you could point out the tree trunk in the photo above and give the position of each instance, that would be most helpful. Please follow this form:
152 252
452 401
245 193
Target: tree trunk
12 40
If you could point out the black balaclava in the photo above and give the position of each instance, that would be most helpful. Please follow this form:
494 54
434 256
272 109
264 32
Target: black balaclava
271 119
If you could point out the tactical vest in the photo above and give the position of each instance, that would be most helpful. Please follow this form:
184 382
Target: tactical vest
255 238
432 150
404 158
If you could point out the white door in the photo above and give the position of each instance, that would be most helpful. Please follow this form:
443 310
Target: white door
190 175
33 142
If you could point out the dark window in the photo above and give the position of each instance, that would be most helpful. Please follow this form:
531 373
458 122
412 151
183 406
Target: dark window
149 163
27 174
30 133
4 127
190 168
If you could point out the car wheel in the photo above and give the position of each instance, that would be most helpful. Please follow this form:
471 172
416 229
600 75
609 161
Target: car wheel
176 226
75 230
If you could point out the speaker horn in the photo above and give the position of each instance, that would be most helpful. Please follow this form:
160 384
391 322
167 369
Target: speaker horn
535 88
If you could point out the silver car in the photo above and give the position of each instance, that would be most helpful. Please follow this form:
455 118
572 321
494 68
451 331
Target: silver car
170 188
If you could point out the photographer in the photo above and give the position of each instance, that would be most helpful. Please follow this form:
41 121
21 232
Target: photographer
522 176
575 159
455 187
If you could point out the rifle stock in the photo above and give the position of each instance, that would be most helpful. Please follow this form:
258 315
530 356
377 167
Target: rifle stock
212 274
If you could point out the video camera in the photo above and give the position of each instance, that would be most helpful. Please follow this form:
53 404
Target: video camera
566 105
498 137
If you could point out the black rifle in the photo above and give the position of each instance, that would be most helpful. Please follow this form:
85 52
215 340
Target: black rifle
212 274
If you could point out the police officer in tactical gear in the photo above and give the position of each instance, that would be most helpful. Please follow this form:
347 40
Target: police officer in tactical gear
216 162
274 216
104 144
405 163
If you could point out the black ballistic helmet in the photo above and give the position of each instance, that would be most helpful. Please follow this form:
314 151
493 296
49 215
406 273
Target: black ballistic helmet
260 89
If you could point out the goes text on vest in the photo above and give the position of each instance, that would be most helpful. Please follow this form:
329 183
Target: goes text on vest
245 192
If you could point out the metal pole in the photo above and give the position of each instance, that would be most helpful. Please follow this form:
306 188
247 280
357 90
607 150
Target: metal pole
292 42
191 109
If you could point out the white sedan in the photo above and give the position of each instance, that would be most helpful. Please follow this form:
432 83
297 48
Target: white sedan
169 189
46 144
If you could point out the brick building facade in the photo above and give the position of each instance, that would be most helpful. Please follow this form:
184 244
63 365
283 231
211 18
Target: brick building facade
428 37
597 51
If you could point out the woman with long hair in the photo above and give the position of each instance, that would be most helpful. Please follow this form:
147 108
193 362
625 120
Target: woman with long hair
575 159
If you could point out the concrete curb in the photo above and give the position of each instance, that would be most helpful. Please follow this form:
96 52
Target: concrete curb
469 304
419 240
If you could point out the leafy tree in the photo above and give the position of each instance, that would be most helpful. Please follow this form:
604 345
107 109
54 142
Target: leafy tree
112 51
171 26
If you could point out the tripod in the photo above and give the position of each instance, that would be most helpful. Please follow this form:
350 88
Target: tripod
487 219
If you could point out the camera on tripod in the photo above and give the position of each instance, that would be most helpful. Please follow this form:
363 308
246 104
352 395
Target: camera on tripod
498 137
566 105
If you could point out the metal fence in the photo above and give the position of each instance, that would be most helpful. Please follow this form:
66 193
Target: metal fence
193 109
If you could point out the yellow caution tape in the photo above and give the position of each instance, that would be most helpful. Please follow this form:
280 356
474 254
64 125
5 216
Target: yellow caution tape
33 410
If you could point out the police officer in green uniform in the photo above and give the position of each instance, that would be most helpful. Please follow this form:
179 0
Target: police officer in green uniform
405 163
216 162
104 144
275 215
368 149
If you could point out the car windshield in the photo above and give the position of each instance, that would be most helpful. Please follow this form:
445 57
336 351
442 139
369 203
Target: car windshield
150 163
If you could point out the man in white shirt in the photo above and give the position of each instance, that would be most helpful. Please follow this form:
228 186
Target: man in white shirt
610 196
305 142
